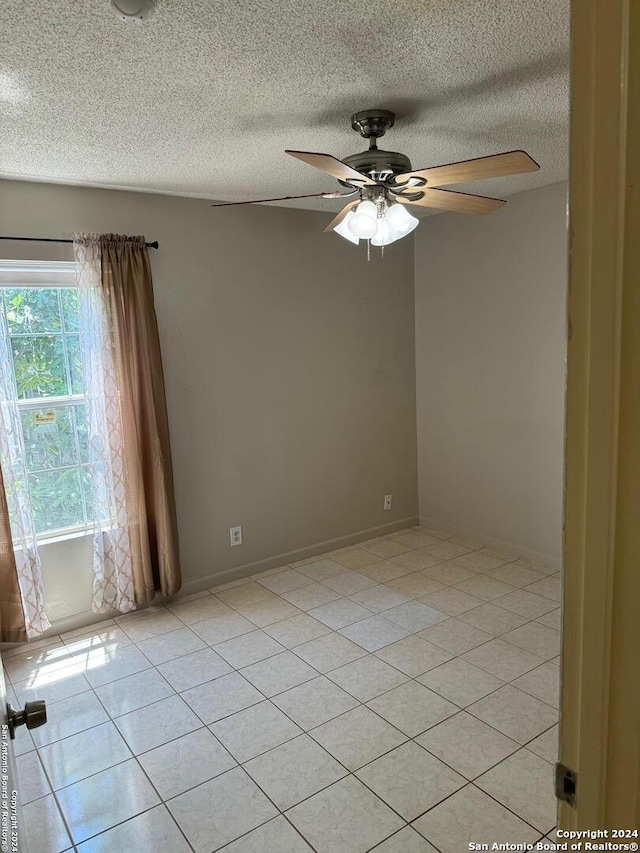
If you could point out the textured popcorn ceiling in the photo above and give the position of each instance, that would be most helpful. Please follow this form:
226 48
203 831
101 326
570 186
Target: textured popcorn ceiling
203 98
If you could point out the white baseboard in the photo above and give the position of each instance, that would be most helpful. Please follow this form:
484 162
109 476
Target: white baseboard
80 620
507 547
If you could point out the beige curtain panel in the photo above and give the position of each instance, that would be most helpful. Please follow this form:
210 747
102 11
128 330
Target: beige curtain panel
13 627
148 477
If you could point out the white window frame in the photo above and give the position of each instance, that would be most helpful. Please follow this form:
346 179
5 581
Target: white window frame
49 274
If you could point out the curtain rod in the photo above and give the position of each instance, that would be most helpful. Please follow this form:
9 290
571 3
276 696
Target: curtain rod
154 245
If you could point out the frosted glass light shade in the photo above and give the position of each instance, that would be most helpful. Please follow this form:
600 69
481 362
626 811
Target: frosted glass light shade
400 220
364 221
344 231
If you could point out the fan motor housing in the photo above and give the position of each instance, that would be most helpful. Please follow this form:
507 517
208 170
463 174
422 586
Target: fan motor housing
377 164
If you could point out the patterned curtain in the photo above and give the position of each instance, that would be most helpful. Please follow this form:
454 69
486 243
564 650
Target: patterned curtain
112 552
23 548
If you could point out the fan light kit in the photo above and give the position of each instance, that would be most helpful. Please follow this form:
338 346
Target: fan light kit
133 11
383 182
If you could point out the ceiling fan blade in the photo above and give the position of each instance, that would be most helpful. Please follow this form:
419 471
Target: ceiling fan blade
454 201
336 194
331 166
341 215
494 166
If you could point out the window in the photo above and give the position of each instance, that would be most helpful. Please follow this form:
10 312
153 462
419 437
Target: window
39 305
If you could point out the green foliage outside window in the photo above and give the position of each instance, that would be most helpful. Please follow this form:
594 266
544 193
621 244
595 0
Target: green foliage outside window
43 324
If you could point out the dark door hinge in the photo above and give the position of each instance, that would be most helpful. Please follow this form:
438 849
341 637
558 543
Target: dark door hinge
566 784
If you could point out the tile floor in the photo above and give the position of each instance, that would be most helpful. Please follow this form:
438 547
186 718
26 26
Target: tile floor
400 696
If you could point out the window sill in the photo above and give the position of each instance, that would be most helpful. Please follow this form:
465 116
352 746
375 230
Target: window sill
63 535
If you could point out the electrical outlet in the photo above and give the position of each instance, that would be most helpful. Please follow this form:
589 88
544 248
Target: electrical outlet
235 535
387 502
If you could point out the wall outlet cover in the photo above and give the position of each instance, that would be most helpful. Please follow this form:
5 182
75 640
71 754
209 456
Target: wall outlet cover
387 502
235 536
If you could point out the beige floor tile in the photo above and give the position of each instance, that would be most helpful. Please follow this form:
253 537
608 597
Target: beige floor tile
517 576
414 616
294 771
185 762
552 619
467 744
367 677
546 744
44 828
414 539
492 620
296 630
543 683
101 667
549 587
145 625
276 836
357 737
70 716
221 810
448 573
514 713
460 682
412 708
379 598
338 614
312 595
414 560
348 582
254 730
109 638
149 832
79 756
247 593
284 581
413 655
199 610
192 670
447 550
471 816
315 702
479 561
279 673
374 633
320 569
172 645
354 558
155 724
524 783
406 841
264 613
537 639
484 587
32 782
248 648
221 628
526 603
384 570
51 691
410 780
97 803
344 817
133 692
220 698
502 659
455 636
415 584
386 549
451 600
329 652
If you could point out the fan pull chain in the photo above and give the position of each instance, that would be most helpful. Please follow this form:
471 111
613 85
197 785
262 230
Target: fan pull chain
368 250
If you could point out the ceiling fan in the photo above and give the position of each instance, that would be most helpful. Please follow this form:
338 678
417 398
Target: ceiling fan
380 183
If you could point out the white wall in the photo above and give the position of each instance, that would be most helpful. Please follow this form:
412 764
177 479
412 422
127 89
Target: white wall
490 371
289 365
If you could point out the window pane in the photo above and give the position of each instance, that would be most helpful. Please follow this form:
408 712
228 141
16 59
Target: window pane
39 366
57 499
75 364
69 297
85 477
48 437
80 414
32 309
